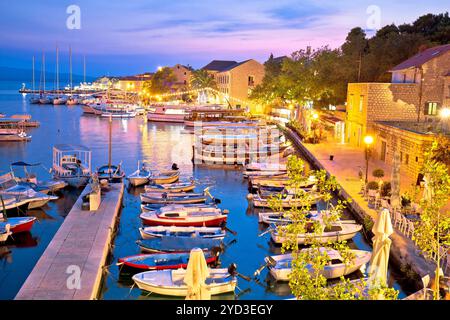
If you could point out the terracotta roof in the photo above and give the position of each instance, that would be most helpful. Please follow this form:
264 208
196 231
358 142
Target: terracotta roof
422 57
219 65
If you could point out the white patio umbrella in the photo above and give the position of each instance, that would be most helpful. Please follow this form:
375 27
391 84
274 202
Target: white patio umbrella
395 182
196 274
381 246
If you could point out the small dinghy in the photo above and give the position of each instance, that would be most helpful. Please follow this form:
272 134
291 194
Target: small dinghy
171 282
173 198
163 177
112 173
173 231
163 261
141 176
280 266
255 166
282 218
5 232
185 218
181 207
171 187
337 232
174 244
287 201
18 224
263 173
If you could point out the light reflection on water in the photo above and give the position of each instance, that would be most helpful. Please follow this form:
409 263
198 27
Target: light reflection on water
133 140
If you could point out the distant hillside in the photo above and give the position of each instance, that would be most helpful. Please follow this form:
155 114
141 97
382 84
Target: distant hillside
24 75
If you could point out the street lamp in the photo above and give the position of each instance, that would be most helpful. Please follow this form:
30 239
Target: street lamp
445 115
368 140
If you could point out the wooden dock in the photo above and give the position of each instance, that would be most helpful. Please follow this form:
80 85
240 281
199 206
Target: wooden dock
71 266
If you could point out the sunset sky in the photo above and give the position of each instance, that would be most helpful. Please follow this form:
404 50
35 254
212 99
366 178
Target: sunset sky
126 37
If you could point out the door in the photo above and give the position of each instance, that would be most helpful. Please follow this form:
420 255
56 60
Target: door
383 151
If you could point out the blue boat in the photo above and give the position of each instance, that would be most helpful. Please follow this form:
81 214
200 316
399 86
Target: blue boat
177 244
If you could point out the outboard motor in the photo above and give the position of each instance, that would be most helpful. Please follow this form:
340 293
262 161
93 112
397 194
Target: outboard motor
175 166
232 269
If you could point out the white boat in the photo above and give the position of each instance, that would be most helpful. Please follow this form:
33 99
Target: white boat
179 207
72 164
288 200
198 232
171 282
262 173
118 113
337 232
280 266
171 187
5 232
72 101
59 100
283 218
141 176
23 193
195 217
165 177
255 166
166 113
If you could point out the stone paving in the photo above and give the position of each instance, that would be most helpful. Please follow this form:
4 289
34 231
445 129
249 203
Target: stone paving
344 167
80 247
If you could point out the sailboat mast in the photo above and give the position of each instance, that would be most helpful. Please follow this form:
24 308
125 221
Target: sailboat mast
84 68
33 76
70 64
110 144
43 67
57 70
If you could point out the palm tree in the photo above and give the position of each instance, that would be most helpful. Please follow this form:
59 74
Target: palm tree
201 79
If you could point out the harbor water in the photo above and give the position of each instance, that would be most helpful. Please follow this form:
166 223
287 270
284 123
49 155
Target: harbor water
160 144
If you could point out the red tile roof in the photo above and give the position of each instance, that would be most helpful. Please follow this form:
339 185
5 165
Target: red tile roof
422 57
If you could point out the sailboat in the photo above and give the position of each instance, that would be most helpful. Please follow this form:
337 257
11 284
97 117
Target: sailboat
44 99
109 171
59 98
72 100
34 99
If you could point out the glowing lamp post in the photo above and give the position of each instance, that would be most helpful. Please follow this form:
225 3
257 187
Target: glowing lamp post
445 116
368 140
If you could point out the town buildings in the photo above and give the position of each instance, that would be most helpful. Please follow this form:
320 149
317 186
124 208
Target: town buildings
402 115
236 80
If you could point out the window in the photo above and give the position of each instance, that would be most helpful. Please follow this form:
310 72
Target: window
431 108
401 157
251 81
407 159
350 105
361 102
417 159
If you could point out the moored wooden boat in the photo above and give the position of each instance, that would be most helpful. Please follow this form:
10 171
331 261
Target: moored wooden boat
5 232
287 201
173 198
280 266
175 244
18 224
171 187
162 261
184 218
112 173
170 282
174 231
141 176
336 232
164 177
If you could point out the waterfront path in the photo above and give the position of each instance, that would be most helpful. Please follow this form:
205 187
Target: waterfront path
345 167
71 267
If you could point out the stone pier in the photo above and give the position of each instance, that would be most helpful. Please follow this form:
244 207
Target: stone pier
71 267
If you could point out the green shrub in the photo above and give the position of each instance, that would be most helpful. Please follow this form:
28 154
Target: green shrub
378 173
386 189
372 185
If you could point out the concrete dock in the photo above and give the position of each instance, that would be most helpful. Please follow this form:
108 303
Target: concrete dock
71 266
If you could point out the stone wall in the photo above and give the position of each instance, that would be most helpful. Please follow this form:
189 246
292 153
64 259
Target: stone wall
410 145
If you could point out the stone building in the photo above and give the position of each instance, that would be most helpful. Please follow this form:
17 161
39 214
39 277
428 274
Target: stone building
420 87
182 74
236 80
132 83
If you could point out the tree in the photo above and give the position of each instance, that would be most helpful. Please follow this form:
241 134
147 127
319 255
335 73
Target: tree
306 279
201 79
432 231
162 81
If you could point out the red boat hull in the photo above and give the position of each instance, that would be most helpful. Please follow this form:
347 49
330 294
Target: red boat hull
128 264
213 222
21 227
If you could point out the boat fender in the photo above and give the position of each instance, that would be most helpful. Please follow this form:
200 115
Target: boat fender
226 211
249 196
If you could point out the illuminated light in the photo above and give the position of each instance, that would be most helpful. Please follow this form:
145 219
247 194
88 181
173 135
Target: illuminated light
315 116
160 68
368 140
445 113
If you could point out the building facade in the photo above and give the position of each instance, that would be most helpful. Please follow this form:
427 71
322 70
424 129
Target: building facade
236 80
182 74
132 83
419 89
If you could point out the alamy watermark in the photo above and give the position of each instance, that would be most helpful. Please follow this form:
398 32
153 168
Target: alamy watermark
373 21
74 279
73 21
